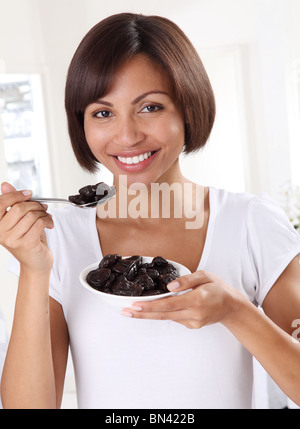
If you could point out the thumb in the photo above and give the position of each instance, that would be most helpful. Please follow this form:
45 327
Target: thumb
7 187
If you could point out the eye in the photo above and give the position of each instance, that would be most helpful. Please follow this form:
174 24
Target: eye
150 108
102 114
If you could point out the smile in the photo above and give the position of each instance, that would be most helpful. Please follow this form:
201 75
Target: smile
135 159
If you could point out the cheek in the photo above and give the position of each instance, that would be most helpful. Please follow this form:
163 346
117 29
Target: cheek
177 135
94 139
171 132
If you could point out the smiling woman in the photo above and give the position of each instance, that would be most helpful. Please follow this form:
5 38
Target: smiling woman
137 127
162 42
137 95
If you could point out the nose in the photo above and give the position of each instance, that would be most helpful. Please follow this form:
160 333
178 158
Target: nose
128 132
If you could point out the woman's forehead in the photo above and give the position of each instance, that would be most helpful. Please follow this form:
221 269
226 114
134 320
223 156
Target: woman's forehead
140 74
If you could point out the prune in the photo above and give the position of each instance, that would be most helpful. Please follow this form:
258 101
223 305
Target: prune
145 281
153 273
90 194
119 268
77 199
165 279
109 260
132 269
127 288
159 261
98 277
131 276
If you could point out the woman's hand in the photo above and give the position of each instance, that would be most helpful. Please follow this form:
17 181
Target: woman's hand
210 300
22 225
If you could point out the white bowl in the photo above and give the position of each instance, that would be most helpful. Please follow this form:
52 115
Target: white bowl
120 302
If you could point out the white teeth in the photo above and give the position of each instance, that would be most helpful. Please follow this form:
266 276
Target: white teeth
134 159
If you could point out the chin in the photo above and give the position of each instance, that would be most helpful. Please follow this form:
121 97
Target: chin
135 182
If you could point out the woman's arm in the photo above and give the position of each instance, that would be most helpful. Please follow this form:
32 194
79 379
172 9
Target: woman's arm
34 370
59 347
269 337
211 300
32 362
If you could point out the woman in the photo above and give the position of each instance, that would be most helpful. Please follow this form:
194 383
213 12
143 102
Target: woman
136 96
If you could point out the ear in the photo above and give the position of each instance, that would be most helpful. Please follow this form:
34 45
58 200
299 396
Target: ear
7 187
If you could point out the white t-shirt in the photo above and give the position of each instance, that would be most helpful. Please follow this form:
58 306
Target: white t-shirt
121 362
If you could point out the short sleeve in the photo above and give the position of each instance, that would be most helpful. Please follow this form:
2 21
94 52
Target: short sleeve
272 242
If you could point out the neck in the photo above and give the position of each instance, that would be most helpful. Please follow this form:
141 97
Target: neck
170 198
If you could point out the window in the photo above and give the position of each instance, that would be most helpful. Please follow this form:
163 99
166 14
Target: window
26 161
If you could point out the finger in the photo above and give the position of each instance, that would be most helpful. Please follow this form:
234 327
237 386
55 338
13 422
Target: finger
10 198
176 316
25 225
189 281
172 303
184 317
18 211
7 187
33 235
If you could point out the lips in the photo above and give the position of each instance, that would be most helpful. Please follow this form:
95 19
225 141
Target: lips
135 162
135 159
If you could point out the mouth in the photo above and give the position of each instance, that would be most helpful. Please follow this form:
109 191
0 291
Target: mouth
136 159
136 163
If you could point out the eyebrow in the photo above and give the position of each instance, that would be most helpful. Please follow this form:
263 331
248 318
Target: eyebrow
136 100
140 97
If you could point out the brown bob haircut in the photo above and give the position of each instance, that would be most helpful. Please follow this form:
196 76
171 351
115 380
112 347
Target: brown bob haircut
118 38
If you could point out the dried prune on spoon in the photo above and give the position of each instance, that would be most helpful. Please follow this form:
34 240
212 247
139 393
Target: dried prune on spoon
90 194
77 199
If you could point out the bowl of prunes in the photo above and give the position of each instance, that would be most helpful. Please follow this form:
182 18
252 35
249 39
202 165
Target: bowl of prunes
121 281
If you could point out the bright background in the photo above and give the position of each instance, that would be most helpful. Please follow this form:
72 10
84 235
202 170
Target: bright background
251 50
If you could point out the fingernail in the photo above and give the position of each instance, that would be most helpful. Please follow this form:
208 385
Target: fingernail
173 286
45 206
126 313
27 193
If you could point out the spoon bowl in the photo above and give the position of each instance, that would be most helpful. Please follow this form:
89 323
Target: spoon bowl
110 193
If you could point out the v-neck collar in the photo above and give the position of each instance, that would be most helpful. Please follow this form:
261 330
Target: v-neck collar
208 238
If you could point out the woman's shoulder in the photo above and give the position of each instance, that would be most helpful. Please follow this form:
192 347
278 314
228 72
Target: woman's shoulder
231 199
257 212
226 200
247 207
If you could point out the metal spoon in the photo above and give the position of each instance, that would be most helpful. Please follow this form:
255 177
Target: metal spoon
111 193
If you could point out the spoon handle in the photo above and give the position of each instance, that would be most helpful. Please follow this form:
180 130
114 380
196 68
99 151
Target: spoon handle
51 200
